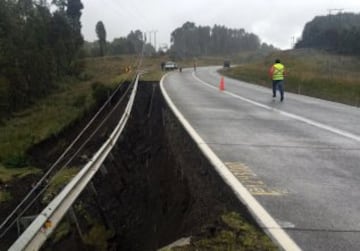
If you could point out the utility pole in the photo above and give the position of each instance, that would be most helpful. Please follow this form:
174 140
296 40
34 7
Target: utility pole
155 40
153 31
292 42
150 36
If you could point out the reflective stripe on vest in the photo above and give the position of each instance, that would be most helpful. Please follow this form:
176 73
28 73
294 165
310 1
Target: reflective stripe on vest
278 73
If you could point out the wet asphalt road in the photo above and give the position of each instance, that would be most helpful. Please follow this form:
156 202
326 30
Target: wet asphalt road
300 159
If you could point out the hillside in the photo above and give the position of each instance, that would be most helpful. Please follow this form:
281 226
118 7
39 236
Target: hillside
309 72
338 33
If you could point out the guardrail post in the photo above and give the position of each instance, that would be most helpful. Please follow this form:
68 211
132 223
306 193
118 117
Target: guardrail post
98 205
74 218
103 170
93 189
111 156
18 226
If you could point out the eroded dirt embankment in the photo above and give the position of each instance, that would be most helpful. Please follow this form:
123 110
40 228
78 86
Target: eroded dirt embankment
154 188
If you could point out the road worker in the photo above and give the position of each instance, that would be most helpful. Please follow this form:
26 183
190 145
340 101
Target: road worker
277 73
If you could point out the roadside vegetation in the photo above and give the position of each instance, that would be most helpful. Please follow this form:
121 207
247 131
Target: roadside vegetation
73 99
309 72
230 232
57 182
76 97
49 116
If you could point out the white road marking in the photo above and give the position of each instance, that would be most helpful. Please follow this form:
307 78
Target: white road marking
287 114
262 217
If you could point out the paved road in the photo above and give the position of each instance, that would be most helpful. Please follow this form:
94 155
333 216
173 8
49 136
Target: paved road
300 159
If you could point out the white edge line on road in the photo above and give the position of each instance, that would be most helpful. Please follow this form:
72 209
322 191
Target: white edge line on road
263 218
287 114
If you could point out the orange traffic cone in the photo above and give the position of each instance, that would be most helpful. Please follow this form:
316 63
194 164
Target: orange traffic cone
222 84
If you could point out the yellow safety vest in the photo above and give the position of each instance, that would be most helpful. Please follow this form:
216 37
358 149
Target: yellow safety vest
278 71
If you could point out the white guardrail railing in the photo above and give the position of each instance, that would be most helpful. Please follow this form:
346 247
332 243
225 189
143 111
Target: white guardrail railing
45 223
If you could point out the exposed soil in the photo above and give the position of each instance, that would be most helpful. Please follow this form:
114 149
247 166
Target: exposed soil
155 186
44 154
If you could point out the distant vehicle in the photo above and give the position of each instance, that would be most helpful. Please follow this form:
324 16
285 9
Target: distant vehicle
226 64
170 66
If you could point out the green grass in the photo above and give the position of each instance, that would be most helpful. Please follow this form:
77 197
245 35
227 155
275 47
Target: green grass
98 237
7 174
61 231
58 181
50 115
232 233
310 72
5 196
40 122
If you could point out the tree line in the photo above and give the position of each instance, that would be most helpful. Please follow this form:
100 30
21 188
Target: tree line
39 42
131 44
192 40
338 33
186 41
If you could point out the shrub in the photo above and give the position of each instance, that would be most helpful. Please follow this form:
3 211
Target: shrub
79 101
16 161
100 92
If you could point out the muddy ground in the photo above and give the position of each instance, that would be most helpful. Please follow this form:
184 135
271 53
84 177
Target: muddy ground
154 188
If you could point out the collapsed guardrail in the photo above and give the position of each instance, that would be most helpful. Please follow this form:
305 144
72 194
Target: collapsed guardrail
45 223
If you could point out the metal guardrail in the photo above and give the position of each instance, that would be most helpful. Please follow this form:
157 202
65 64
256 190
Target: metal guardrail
63 161
45 223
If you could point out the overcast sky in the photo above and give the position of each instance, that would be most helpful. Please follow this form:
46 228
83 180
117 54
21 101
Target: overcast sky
274 21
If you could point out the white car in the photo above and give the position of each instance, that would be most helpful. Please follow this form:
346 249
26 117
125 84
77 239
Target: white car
170 65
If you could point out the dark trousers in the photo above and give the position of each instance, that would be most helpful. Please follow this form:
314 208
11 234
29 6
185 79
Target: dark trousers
278 85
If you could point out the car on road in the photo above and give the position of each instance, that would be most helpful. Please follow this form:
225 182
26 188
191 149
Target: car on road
170 66
227 64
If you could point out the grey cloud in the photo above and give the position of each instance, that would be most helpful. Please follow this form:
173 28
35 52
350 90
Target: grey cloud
274 21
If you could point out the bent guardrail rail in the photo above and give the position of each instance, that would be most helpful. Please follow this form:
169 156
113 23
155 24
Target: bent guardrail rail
45 223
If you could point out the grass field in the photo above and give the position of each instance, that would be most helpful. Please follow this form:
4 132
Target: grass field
73 98
309 72
68 103
50 115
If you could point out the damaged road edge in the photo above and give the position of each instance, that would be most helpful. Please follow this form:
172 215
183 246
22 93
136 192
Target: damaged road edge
261 216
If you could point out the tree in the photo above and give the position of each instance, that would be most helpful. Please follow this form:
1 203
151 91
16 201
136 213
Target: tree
190 40
37 46
101 34
335 33
61 4
135 39
73 12
119 46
